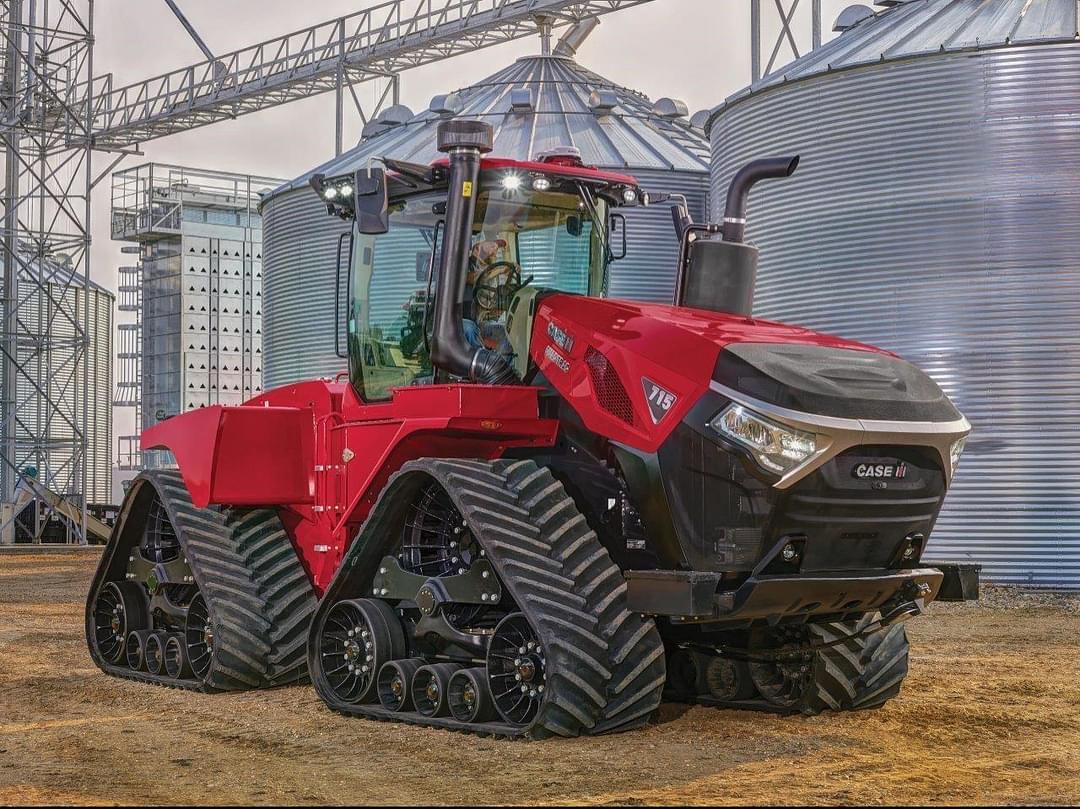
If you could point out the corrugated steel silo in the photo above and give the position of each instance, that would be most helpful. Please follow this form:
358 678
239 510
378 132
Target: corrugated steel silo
534 104
936 213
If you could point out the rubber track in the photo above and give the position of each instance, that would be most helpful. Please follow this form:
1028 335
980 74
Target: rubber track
239 572
635 649
283 584
856 674
551 576
859 673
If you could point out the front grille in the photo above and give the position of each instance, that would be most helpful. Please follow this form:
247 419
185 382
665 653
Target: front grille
727 518
857 523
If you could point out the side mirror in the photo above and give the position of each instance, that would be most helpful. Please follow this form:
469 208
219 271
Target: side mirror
371 201
617 235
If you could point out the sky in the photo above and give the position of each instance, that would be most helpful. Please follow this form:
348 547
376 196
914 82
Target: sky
694 50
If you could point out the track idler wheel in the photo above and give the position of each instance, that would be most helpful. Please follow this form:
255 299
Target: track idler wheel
154 652
468 696
177 664
120 609
395 683
516 665
430 685
199 637
355 641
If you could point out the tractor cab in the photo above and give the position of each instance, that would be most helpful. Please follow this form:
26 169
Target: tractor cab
536 227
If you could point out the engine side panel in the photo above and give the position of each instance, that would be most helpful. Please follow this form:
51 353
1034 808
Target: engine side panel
633 371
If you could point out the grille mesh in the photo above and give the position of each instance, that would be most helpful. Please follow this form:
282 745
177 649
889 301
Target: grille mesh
610 393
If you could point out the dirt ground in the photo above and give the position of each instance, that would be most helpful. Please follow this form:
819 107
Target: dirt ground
989 714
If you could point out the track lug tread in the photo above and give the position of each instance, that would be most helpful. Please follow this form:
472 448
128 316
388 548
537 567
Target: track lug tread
254 584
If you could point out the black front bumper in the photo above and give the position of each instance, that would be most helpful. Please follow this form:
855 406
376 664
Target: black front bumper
694 596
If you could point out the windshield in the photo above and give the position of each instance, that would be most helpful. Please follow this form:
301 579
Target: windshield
521 238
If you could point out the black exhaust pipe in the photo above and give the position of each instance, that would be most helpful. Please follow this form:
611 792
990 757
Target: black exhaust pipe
735 210
465 142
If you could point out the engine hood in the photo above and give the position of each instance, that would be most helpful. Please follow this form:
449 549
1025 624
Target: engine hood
632 370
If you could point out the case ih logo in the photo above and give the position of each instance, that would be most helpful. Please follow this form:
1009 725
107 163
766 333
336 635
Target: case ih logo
880 471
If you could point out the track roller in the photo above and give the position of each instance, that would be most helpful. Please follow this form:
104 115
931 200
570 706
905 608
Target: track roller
177 664
468 696
154 652
395 683
136 649
430 686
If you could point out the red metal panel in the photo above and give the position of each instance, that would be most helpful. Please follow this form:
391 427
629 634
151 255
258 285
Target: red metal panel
247 456
676 348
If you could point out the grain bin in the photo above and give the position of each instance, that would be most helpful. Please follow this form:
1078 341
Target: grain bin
937 213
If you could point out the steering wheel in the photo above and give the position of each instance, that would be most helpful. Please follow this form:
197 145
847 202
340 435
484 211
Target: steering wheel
496 286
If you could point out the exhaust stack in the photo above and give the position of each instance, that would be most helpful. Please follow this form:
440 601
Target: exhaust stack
745 179
464 142
720 274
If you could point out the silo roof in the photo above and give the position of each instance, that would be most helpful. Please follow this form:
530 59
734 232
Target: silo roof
538 103
910 28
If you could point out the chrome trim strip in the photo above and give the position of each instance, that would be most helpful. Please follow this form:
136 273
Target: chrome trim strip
836 435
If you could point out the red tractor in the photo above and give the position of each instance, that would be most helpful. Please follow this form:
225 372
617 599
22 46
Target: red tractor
531 510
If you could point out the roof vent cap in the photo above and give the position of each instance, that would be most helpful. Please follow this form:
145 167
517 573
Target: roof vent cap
852 16
395 116
446 104
521 100
700 119
603 101
670 108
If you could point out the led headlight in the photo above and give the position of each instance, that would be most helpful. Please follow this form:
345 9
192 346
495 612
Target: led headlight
330 192
346 190
776 447
541 184
955 451
511 182
629 196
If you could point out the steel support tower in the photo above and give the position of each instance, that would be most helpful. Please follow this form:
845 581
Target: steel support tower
790 40
46 108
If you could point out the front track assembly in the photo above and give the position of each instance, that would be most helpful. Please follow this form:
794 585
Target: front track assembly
205 599
476 598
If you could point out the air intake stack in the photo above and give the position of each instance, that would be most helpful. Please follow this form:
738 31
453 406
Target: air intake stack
720 274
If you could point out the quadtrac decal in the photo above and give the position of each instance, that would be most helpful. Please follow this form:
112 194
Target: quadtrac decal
660 399
556 359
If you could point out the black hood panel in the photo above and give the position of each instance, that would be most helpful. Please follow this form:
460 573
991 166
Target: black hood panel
838 382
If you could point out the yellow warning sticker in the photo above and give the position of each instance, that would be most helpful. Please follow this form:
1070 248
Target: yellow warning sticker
466 189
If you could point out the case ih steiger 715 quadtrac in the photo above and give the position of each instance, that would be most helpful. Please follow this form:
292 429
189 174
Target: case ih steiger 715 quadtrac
531 510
